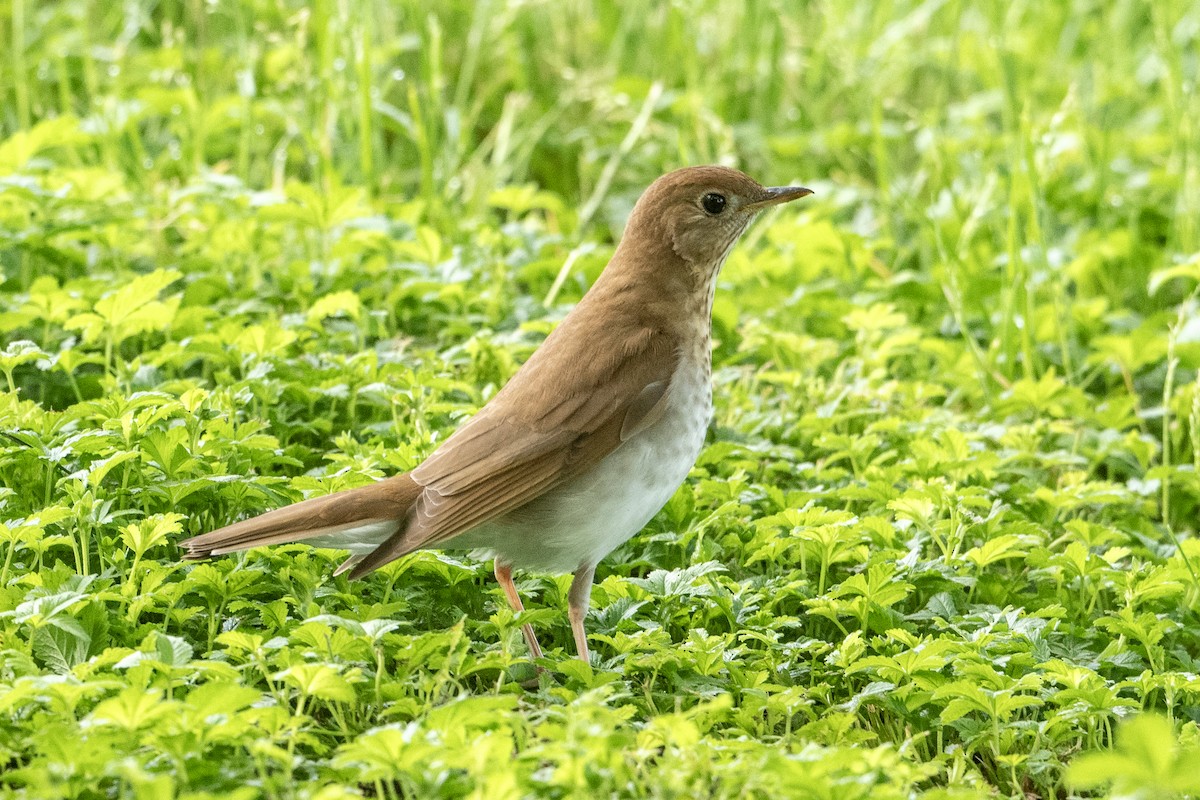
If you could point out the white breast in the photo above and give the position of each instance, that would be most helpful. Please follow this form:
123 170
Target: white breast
580 522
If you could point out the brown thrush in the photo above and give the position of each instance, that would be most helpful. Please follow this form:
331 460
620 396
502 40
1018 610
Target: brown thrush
588 440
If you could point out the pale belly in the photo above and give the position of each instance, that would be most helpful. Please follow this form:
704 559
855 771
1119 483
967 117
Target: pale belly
578 523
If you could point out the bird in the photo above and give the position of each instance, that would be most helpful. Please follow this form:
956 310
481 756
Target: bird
590 437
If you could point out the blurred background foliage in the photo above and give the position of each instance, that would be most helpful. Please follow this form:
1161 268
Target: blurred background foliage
1028 166
1068 128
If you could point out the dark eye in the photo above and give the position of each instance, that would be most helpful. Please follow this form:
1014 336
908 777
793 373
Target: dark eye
713 203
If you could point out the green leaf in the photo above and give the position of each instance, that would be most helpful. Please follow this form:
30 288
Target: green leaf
129 310
19 352
220 698
320 681
59 648
679 582
150 532
337 304
1189 269
133 709
1002 547
172 651
1148 762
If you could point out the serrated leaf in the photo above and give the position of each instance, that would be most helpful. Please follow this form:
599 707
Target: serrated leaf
678 582
150 532
133 709
318 680
59 648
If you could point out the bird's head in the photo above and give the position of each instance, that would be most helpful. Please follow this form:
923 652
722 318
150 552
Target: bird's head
698 213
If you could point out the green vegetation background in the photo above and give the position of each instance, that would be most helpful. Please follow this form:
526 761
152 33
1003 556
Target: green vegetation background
942 540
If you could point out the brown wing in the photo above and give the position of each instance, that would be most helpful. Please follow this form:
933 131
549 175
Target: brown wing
564 411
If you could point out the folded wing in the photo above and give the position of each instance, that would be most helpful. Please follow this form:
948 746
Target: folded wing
534 435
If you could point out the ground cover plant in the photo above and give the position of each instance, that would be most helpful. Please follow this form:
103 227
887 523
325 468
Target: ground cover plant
941 543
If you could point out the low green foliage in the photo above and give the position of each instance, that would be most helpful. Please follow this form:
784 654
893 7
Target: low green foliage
941 544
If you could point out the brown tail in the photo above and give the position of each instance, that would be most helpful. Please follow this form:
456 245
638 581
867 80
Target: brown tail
356 519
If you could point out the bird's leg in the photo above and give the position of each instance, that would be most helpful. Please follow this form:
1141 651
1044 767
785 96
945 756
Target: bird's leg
577 599
504 576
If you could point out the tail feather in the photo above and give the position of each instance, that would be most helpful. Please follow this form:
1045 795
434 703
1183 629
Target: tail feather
356 519
350 563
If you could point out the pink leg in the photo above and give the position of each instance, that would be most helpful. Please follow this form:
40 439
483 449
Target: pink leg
504 576
577 599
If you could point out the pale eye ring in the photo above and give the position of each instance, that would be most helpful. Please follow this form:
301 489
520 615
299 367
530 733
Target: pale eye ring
713 203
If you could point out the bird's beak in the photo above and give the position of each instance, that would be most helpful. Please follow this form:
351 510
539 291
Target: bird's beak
779 194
